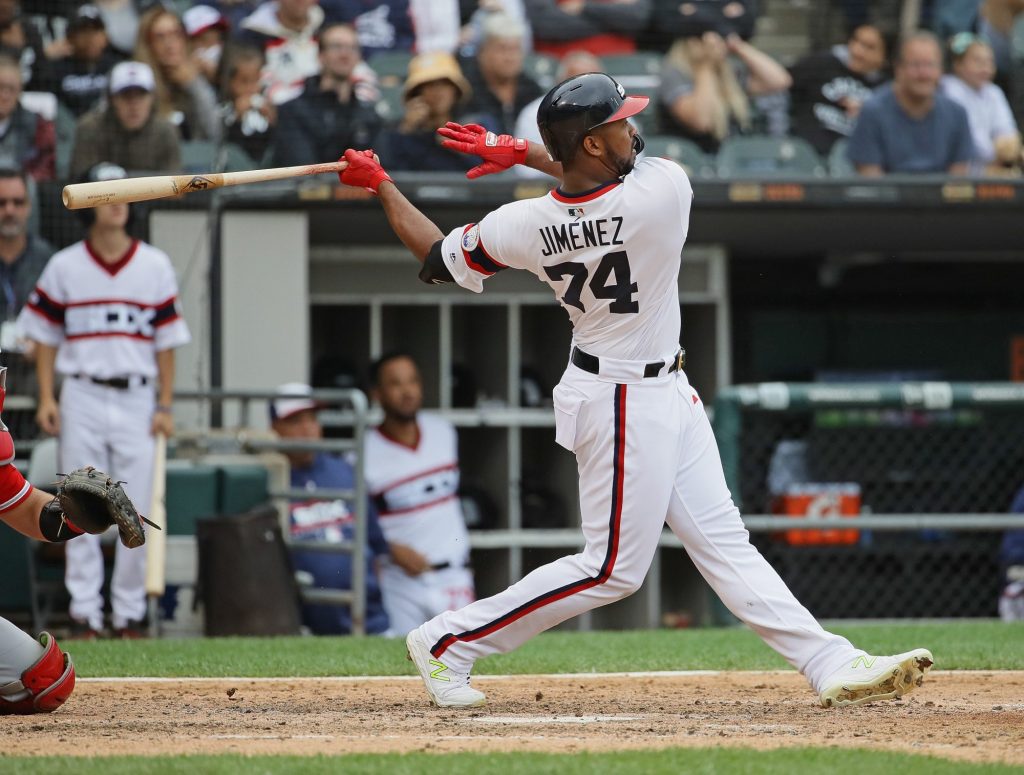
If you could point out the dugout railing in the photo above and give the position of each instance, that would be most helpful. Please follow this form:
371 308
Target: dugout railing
224 423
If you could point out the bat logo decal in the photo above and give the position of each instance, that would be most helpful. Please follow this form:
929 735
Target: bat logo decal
198 183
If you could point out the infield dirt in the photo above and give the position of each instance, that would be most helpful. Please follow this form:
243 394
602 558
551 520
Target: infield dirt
976 716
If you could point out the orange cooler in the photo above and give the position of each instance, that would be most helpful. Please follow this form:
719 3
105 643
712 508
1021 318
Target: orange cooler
830 502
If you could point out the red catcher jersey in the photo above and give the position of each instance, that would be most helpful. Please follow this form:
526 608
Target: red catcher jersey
416 490
107 320
611 255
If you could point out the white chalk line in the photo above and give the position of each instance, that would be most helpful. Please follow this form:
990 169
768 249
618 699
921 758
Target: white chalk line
599 719
521 677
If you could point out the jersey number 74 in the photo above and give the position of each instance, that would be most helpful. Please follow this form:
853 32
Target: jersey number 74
621 290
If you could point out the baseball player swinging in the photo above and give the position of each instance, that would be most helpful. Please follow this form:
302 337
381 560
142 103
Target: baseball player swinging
608 241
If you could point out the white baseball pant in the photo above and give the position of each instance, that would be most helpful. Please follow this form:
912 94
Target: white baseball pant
646 455
18 652
411 600
110 429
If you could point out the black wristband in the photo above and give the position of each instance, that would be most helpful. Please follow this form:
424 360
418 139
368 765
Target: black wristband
53 525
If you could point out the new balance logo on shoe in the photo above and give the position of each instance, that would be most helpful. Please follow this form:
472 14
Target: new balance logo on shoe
865 662
440 668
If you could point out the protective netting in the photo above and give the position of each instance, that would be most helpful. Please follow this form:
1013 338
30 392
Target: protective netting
883 461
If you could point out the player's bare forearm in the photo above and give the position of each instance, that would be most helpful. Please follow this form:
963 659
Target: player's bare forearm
46 357
537 157
417 232
165 377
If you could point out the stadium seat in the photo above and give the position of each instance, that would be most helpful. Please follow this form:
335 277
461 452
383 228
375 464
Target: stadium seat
541 68
641 70
839 164
64 126
391 67
684 152
762 156
234 159
198 155
208 156
390 106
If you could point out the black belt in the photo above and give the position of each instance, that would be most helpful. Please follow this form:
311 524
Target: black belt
592 363
445 565
121 383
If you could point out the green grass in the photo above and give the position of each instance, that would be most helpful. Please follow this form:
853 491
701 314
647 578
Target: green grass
693 761
984 645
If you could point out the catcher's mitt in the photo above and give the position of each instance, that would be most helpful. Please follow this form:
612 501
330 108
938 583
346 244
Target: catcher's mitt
92 502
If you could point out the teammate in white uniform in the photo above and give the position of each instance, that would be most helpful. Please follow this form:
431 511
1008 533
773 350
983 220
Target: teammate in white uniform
105 317
412 473
609 241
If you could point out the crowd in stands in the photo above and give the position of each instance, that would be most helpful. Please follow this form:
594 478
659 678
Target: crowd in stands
153 86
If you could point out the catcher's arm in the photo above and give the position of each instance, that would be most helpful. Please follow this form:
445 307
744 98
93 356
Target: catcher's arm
26 516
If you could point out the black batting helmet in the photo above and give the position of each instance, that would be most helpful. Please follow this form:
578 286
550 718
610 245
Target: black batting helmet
578 105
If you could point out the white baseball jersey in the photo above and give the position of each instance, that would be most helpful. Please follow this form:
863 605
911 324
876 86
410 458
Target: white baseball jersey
108 320
611 255
416 491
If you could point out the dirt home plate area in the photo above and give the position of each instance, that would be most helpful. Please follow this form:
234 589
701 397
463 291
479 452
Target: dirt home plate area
972 716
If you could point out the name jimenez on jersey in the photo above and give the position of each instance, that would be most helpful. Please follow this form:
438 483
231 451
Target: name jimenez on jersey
611 255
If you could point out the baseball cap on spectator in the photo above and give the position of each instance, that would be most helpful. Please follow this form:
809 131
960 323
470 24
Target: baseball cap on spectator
435 66
105 170
86 16
131 75
200 18
295 397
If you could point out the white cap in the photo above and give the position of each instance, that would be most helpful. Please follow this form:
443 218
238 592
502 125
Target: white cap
299 400
200 18
131 75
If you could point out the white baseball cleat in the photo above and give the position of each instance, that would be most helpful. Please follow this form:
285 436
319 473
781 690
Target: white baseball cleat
445 687
869 678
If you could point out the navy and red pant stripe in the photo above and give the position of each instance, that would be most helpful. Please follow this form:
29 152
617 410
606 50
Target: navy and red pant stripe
614 529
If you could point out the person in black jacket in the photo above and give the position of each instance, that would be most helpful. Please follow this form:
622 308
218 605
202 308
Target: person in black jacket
80 79
672 19
830 86
328 116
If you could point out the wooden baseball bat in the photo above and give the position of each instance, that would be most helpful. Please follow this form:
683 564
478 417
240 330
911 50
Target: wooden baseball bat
109 192
156 540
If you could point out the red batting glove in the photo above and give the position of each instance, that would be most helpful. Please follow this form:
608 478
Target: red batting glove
499 152
363 170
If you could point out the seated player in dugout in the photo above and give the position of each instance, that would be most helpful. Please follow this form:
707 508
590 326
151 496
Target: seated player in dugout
412 473
294 415
609 241
35 675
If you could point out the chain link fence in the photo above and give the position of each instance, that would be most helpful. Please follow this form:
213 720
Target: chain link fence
938 456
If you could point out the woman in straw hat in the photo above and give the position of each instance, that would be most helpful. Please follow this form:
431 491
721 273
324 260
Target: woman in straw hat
433 90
